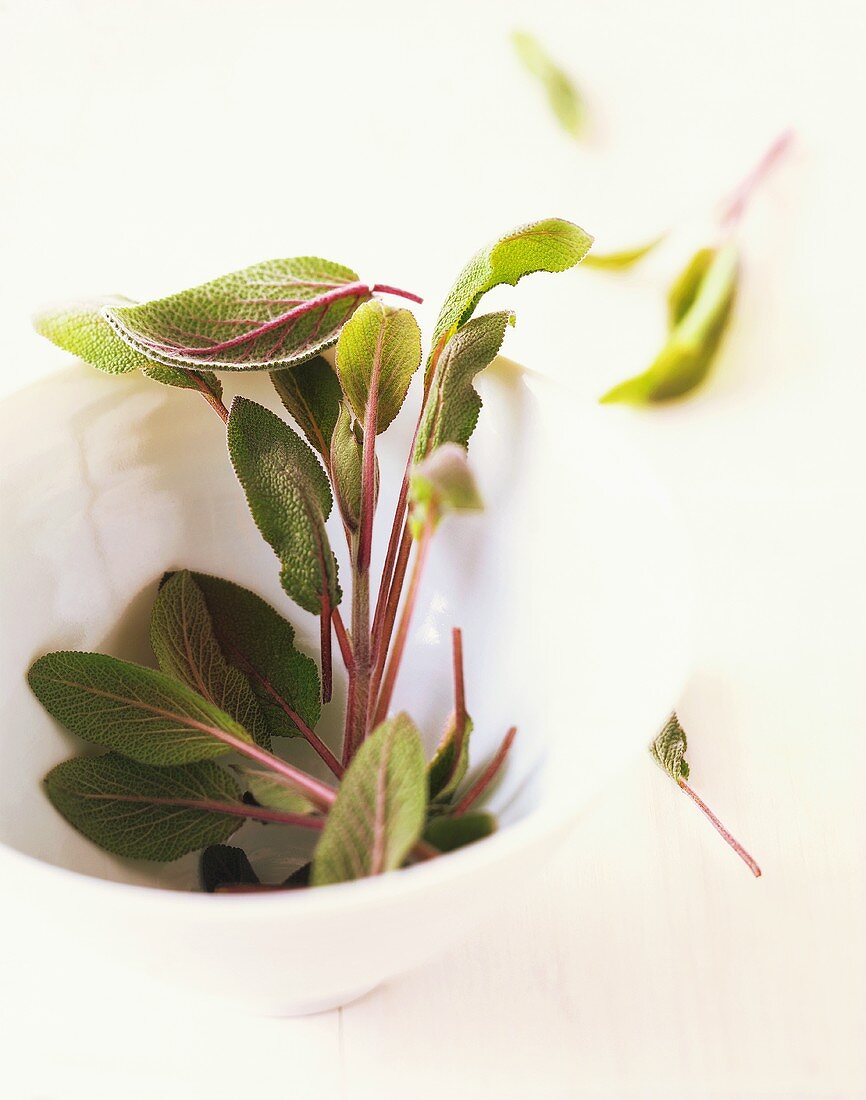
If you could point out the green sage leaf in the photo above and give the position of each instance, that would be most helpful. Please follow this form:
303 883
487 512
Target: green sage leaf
452 406
185 643
276 312
347 449
141 812
184 379
565 100
289 496
449 833
684 290
81 329
440 484
272 792
551 245
222 865
447 768
137 711
624 258
379 811
261 643
311 394
701 306
378 341
669 749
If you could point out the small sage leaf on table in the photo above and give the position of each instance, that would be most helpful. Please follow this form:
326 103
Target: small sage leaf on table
185 643
223 865
276 312
441 483
136 711
624 258
378 814
551 245
565 100
452 406
261 643
143 812
272 792
378 351
449 833
312 396
290 499
347 448
700 305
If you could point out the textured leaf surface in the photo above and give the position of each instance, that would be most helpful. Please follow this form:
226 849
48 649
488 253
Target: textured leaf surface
347 448
184 379
280 311
378 342
312 395
378 814
452 405
623 258
289 497
261 643
81 329
440 484
562 95
549 245
669 748
141 812
449 833
269 790
187 649
703 306
223 865
136 711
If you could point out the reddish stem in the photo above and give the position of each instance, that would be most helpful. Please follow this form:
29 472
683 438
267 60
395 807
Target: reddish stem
382 288
382 638
736 205
722 831
342 638
325 644
320 794
487 776
209 396
459 694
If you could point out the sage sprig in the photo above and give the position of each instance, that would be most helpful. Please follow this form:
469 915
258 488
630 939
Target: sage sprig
197 746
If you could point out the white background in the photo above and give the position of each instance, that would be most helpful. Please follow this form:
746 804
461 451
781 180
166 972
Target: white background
149 146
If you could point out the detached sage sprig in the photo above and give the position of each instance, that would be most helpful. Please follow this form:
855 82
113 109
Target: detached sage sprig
191 753
668 750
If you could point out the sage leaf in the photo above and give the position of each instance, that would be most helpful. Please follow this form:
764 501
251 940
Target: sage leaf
452 405
81 329
312 396
185 379
256 639
299 877
440 484
290 499
347 448
701 304
142 812
551 245
562 95
137 711
449 833
378 814
272 792
183 638
668 750
223 865
447 768
379 343
276 312
624 258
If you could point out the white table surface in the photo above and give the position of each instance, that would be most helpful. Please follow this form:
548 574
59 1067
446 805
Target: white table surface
149 145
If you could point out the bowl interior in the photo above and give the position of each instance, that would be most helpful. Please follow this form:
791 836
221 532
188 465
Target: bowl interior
567 587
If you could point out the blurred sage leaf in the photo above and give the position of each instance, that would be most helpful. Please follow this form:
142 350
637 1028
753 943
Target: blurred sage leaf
185 643
379 811
624 258
450 833
700 305
563 96
449 764
290 499
139 712
272 792
440 484
311 395
273 313
452 406
142 812
378 344
550 245
223 865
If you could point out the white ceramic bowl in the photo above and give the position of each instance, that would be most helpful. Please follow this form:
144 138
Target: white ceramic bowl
568 588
